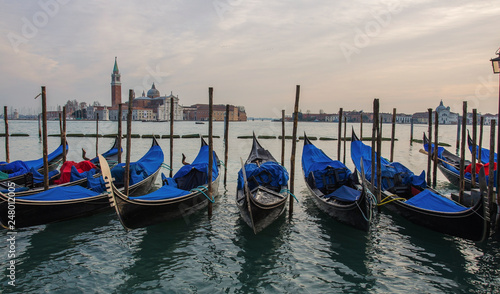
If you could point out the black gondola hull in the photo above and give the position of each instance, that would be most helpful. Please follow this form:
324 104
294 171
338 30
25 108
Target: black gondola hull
135 214
258 217
453 177
33 213
356 214
469 224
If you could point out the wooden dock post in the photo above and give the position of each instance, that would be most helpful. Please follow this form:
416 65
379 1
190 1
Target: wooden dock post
431 150
491 179
226 142
120 110
210 147
283 137
6 120
393 133
435 153
126 177
339 145
459 124
481 124
474 152
462 154
171 136
44 139
294 146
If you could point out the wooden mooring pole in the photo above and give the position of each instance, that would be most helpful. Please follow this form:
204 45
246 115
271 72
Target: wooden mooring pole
411 131
474 152
64 134
6 120
435 153
44 139
361 126
344 139
171 136
294 146
459 124
462 154
379 159
393 133
431 150
339 145
97 134
210 148
120 110
374 143
129 142
481 124
283 137
491 179
226 142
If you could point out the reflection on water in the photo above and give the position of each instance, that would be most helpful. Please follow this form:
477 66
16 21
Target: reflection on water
309 253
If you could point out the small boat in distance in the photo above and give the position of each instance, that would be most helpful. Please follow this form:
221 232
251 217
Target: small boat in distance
261 194
335 189
199 123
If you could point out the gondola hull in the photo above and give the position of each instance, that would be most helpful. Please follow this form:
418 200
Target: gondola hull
33 213
469 224
356 214
135 214
453 177
256 215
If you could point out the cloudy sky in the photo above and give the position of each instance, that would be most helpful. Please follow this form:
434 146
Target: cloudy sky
409 53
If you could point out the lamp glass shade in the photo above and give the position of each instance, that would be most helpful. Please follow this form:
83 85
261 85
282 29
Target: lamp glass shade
495 62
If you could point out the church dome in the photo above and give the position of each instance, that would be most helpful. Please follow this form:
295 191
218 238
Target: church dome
153 92
441 107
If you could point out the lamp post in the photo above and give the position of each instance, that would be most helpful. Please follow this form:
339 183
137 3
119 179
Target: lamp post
495 62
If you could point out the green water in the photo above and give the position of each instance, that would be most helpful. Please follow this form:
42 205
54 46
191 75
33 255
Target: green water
309 253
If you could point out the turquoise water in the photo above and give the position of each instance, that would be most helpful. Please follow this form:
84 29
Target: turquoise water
308 253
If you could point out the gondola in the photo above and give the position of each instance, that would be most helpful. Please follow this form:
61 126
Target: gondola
406 194
449 165
261 194
71 175
67 202
19 171
335 189
485 153
179 196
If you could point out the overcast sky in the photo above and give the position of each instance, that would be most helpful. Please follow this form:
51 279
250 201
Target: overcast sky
409 53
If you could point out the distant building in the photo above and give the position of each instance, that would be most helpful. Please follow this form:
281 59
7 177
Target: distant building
200 112
445 116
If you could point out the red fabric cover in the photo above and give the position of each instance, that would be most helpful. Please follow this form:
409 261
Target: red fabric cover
468 169
81 166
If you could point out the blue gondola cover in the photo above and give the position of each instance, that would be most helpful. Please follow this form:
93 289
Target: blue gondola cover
345 193
279 175
432 201
61 193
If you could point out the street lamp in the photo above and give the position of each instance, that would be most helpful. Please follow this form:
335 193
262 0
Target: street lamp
495 62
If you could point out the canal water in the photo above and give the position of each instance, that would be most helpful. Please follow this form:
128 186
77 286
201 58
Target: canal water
309 253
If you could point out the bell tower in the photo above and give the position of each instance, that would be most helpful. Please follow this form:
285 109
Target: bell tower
116 86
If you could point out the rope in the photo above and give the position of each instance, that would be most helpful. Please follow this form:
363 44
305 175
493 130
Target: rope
221 163
394 199
200 189
289 192
166 166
